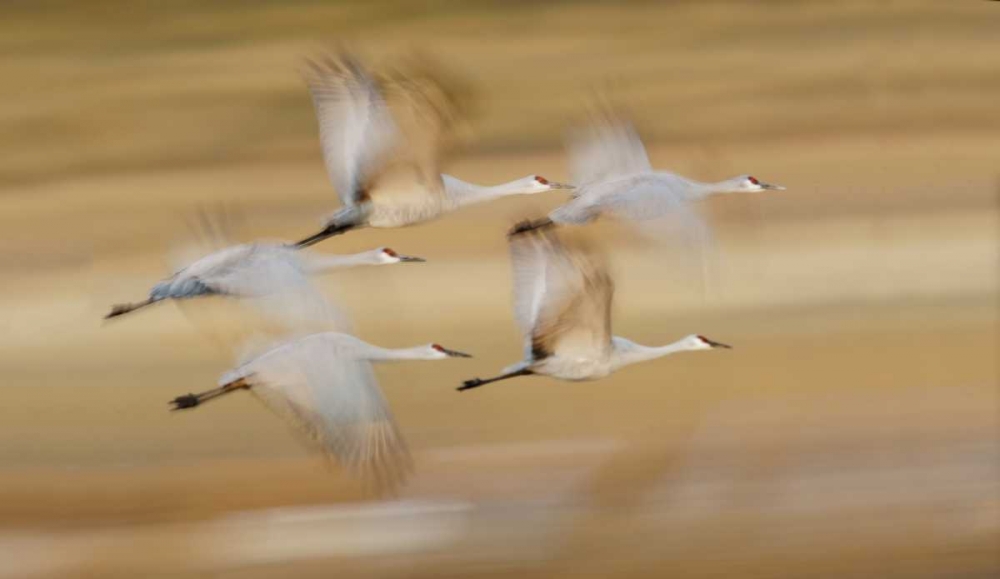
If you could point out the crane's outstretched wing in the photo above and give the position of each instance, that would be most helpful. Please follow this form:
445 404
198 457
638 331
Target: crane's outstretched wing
334 401
649 196
271 278
606 148
527 259
426 103
356 128
569 304
383 136
251 269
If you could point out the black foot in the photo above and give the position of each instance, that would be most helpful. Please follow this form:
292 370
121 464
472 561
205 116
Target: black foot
186 401
118 310
470 384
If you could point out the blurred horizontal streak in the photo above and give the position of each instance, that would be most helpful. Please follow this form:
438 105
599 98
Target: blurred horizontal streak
814 502
538 449
261 537
541 469
851 432
785 265
288 534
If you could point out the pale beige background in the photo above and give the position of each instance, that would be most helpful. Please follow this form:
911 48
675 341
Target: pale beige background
851 432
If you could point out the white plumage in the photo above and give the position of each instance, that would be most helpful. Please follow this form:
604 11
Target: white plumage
613 176
255 270
382 141
562 303
324 387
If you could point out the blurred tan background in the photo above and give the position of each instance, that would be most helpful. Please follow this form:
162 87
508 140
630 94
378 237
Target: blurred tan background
850 433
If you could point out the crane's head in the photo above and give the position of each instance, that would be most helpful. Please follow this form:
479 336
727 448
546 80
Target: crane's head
699 342
750 184
439 352
539 184
387 255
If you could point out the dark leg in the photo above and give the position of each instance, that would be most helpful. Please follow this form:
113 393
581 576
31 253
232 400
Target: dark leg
192 400
477 382
121 309
328 231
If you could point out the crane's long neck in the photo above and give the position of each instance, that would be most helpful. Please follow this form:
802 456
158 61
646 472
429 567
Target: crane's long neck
702 190
376 353
627 352
465 193
358 348
319 263
696 189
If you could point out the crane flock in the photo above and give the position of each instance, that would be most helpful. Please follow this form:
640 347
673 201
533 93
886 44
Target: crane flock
383 137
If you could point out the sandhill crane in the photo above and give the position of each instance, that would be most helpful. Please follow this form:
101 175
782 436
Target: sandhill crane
562 302
382 140
613 176
324 386
254 269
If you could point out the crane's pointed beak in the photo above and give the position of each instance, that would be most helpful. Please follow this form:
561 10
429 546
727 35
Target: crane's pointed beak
772 187
455 353
411 259
557 185
715 344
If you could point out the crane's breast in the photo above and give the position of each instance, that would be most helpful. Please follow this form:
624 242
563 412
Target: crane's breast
573 369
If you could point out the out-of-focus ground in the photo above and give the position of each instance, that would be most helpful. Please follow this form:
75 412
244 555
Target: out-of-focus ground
851 432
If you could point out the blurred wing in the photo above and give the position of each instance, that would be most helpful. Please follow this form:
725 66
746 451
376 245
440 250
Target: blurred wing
573 314
643 197
605 149
335 402
686 233
664 208
356 128
252 270
273 280
661 201
426 103
209 229
527 260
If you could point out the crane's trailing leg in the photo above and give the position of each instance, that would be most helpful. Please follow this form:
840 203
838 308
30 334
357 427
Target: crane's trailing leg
477 382
328 231
529 225
120 309
192 400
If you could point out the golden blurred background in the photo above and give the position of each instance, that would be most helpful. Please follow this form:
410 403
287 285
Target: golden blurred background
852 432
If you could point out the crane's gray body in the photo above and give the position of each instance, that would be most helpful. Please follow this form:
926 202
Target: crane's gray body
637 196
240 270
384 167
260 269
613 175
562 303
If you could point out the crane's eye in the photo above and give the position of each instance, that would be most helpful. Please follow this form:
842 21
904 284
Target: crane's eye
390 252
541 180
438 347
753 180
